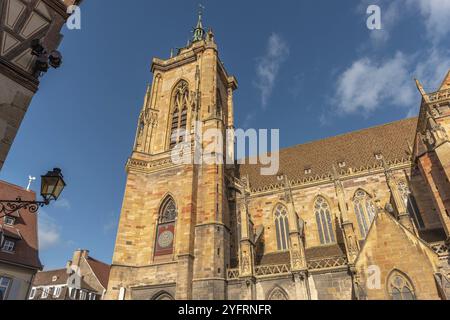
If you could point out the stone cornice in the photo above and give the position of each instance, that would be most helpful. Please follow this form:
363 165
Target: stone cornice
185 57
143 166
329 270
328 179
137 287
160 65
18 75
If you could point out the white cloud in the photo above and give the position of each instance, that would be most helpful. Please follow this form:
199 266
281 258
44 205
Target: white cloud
370 84
62 203
389 17
432 70
49 232
435 16
269 65
367 85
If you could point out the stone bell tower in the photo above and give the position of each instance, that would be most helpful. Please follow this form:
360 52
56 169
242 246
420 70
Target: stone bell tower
173 236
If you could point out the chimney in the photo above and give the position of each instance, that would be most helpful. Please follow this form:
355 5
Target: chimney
78 255
68 267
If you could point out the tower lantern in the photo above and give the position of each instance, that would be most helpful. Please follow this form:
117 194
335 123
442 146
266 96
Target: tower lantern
199 32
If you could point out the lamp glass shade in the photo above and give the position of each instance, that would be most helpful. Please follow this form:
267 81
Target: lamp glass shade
52 184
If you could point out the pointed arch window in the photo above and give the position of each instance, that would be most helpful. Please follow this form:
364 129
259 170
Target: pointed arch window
179 115
165 234
282 227
174 128
364 210
218 104
411 204
324 222
162 296
278 294
400 287
183 123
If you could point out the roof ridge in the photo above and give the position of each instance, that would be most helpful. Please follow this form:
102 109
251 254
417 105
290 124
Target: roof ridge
443 83
15 186
328 138
53 270
96 260
359 150
350 133
408 233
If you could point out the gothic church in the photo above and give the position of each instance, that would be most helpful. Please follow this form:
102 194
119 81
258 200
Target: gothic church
364 215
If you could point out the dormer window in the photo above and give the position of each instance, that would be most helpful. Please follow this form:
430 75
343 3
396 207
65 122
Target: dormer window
45 293
54 278
342 164
8 245
378 156
308 170
57 292
32 293
10 221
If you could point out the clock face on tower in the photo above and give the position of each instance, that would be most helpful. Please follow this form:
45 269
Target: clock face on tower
165 239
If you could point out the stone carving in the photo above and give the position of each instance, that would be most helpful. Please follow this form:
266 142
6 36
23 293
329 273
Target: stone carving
296 257
245 263
232 274
326 263
169 212
296 260
270 270
140 132
181 88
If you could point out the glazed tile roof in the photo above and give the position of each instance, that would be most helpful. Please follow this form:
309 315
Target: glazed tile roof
433 235
24 231
325 252
313 253
356 149
274 258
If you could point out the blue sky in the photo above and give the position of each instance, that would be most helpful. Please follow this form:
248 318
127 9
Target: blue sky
309 68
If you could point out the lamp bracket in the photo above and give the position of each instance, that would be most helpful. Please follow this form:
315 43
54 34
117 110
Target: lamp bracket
8 206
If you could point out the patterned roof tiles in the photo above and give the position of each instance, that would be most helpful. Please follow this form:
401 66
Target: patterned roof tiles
356 150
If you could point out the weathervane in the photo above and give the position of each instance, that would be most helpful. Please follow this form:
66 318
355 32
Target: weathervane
30 180
201 7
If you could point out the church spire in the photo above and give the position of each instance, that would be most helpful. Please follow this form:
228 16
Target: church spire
446 83
199 32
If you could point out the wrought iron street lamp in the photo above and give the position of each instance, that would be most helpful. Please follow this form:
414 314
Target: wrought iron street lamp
52 184
44 59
